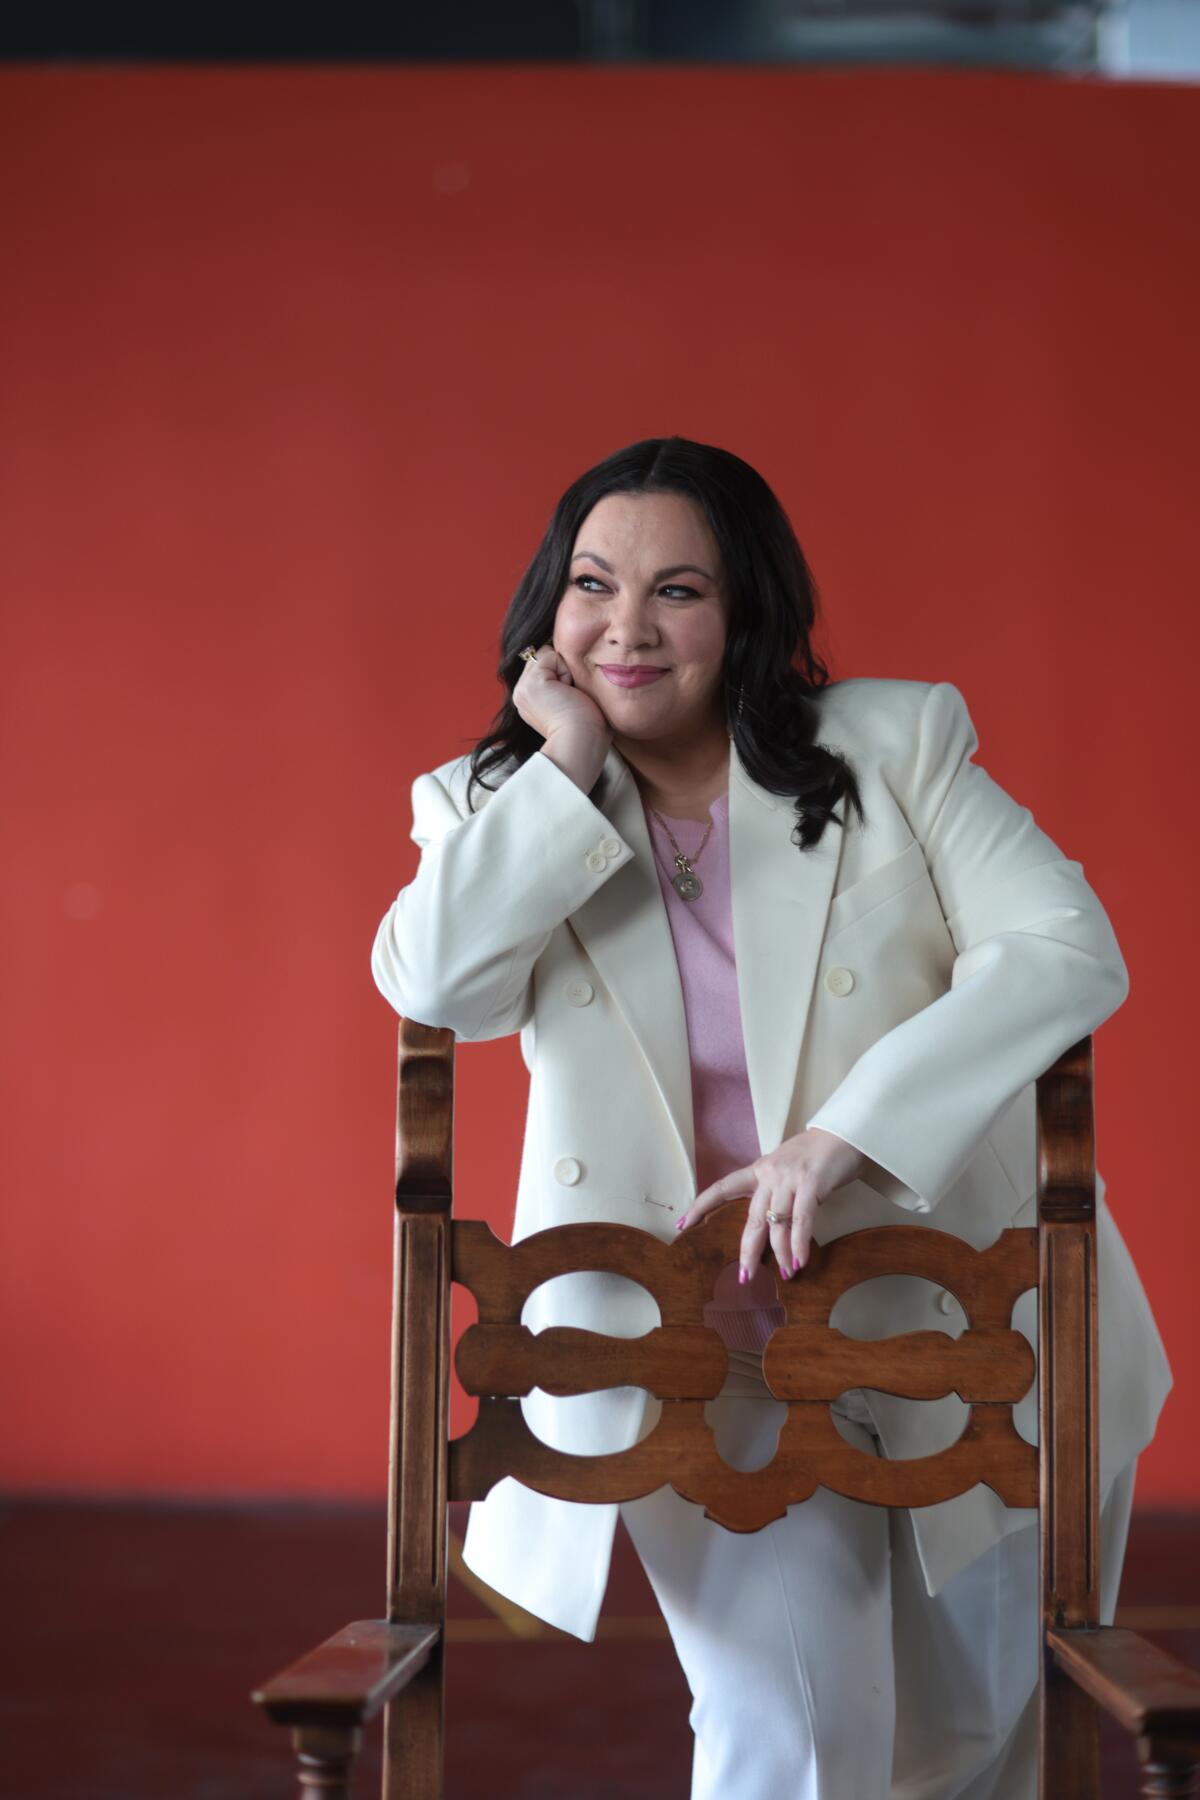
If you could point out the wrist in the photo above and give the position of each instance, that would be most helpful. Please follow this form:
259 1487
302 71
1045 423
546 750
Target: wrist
579 753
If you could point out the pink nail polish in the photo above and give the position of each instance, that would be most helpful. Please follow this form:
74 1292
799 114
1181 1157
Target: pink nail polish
785 1271
743 1277
679 1223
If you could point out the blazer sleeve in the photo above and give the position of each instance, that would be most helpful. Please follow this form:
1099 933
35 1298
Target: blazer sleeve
1037 968
457 946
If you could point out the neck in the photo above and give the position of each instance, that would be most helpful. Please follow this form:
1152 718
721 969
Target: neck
681 778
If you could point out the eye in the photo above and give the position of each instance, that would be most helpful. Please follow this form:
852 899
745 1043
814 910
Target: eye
689 593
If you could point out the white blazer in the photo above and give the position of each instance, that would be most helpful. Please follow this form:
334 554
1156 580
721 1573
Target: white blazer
901 984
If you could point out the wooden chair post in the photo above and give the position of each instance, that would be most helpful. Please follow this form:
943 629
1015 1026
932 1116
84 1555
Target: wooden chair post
419 1431
1068 1414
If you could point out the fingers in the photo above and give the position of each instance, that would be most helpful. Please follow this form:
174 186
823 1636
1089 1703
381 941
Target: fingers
800 1233
549 659
790 1183
753 1237
781 1240
545 661
790 1234
790 1237
777 1230
730 1187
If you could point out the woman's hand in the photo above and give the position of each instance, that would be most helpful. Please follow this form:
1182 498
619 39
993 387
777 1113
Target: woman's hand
547 698
791 1182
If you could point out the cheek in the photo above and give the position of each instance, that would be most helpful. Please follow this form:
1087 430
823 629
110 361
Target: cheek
574 628
702 643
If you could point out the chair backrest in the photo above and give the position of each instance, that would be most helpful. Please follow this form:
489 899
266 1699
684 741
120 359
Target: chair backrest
682 1362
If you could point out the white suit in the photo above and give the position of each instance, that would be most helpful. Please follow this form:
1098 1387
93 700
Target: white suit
902 984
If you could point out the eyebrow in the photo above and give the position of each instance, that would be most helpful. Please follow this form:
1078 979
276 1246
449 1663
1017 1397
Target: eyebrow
659 574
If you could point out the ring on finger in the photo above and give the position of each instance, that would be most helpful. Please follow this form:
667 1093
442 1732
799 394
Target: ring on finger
529 653
774 1218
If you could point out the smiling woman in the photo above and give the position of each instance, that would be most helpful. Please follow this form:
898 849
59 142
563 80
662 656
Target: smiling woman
646 650
673 556
773 936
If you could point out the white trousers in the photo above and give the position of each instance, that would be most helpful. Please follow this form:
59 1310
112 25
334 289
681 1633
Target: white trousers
819 1667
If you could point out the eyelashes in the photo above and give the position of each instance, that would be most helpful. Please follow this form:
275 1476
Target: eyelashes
690 592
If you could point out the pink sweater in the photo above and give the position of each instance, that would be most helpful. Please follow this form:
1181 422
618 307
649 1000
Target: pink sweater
723 1114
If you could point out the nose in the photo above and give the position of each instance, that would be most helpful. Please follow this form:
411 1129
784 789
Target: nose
631 621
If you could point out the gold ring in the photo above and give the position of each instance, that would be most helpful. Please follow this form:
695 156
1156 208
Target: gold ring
529 653
773 1218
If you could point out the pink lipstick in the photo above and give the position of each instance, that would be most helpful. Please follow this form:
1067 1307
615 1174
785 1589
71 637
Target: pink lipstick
627 676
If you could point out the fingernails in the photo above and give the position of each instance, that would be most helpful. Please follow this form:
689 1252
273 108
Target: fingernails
785 1271
681 1222
743 1277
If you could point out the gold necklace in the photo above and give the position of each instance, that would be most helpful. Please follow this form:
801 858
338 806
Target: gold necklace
685 881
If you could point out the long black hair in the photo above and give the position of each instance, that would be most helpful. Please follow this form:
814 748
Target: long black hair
770 668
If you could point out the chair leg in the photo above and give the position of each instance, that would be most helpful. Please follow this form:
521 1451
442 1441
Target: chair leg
1169 1771
413 1762
327 1754
1069 1738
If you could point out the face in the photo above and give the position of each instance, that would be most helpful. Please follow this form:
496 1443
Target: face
645 591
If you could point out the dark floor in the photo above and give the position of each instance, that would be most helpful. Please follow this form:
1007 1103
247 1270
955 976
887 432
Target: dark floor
131 1636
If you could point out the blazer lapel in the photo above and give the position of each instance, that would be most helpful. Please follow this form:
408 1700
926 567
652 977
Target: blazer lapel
781 898
625 930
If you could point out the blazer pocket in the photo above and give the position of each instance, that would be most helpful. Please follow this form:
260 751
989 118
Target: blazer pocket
862 896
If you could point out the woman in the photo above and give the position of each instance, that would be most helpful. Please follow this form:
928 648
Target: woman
770 935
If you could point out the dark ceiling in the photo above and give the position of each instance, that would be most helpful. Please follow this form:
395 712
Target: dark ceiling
1045 33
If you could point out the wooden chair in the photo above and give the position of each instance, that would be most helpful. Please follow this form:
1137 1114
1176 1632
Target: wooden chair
395 1664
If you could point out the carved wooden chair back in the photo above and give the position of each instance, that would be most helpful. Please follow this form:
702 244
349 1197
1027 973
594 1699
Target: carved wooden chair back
396 1664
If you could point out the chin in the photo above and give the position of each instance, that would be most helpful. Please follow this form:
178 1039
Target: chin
636 730
619 709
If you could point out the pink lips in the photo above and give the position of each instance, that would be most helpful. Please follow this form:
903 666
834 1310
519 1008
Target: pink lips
629 677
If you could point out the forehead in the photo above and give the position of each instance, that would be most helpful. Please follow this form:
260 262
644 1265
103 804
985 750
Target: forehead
640 527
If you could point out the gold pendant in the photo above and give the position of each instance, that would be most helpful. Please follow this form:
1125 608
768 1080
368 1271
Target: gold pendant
687 883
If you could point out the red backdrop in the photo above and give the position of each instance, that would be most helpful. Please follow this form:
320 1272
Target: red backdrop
296 363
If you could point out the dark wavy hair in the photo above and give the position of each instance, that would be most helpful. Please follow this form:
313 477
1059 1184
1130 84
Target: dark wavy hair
771 670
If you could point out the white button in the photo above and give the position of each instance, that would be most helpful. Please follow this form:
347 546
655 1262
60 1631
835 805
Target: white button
610 846
596 860
567 1170
579 993
839 981
945 1300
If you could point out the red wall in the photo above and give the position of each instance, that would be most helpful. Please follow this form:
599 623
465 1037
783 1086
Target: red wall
295 364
